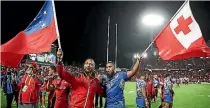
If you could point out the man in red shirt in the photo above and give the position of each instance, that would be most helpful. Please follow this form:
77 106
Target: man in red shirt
84 86
51 96
149 89
61 88
29 89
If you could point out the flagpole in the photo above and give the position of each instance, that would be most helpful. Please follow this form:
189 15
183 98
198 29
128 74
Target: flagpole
116 48
107 52
186 1
56 25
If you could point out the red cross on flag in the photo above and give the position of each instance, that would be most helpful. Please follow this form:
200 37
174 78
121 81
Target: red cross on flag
182 37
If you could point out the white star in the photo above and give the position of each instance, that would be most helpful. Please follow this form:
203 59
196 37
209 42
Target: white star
43 25
45 12
40 21
34 19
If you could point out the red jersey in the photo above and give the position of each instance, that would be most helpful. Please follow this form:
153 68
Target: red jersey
51 92
29 89
61 93
150 90
83 88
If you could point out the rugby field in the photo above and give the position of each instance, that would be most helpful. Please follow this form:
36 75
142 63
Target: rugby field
187 96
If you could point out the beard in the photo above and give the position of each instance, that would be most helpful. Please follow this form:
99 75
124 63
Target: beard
110 75
88 70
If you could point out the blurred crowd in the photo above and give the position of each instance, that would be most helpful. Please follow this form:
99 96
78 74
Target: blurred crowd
194 69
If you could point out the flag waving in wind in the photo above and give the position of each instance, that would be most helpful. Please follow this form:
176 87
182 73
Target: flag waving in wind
36 38
182 37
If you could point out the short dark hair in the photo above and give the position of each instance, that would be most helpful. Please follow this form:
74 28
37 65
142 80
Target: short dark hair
110 62
53 67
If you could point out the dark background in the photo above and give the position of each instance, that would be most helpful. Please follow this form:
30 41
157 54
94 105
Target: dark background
83 25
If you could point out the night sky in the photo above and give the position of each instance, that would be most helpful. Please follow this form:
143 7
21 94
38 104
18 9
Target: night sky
83 25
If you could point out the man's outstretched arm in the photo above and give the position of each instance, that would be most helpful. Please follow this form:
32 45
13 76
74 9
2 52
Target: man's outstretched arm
65 75
135 68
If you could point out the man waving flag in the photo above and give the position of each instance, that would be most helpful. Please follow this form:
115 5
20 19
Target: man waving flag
182 37
36 38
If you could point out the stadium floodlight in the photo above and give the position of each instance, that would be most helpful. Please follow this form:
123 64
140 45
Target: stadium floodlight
201 57
145 55
152 20
207 57
135 56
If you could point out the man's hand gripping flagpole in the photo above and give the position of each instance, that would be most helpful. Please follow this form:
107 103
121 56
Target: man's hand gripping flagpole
60 52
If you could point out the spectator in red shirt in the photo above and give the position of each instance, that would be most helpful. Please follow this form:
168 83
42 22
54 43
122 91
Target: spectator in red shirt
61 88
29 88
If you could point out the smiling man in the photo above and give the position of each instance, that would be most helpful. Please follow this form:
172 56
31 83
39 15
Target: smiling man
84 86
114 84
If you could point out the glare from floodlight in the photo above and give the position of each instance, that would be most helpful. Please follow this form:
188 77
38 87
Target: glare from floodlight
207 57
135 56
153 20
201 57
145 55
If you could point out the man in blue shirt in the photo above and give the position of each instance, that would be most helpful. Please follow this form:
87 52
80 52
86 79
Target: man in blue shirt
114 84
168 91
141 99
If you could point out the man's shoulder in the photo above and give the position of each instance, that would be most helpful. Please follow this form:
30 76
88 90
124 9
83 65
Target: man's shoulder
123 75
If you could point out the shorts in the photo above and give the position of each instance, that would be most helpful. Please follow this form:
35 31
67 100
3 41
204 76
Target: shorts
140 102
119 104
168 98
140 107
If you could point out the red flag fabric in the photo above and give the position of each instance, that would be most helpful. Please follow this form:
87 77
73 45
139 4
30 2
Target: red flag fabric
182 37
36 38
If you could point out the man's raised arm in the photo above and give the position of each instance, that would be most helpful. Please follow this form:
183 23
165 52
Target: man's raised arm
67 76
135 67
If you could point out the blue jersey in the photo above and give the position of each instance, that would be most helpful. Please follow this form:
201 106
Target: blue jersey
140 101
139 85
155 83
167 85
114 90
167 90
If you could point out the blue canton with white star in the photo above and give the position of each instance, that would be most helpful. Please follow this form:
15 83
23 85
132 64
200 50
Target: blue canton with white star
42 20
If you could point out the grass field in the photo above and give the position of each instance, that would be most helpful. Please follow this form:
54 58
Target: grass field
187 96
